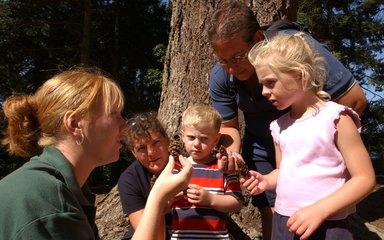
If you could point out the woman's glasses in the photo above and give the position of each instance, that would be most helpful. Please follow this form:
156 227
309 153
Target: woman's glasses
140 117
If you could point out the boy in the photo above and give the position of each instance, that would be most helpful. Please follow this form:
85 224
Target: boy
202 212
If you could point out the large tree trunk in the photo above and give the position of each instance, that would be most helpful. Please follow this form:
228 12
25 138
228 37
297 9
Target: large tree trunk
185 81
190 57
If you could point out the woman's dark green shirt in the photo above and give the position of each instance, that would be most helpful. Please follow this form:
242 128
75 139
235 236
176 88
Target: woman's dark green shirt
42 200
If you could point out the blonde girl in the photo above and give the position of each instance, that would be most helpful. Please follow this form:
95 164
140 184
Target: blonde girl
323 167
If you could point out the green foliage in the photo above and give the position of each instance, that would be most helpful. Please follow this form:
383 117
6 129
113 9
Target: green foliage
127 39
153 79
354 31
38 38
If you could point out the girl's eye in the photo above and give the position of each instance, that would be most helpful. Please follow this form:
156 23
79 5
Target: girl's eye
269 83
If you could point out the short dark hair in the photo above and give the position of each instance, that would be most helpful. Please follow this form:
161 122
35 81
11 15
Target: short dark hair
139 125
231 19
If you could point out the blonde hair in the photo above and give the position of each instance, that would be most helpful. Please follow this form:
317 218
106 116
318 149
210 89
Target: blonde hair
35 121
201 115
292 53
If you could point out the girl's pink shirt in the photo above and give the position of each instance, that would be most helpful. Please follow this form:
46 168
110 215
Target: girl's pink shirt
311 167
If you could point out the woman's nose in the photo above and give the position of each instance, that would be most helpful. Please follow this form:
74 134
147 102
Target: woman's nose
151 150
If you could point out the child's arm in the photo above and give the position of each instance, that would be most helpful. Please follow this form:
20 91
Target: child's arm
347 138
258 183
222 203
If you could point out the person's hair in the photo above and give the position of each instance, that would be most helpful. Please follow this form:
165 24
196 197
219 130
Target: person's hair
292 53
201 115
36 120
232 19
139 126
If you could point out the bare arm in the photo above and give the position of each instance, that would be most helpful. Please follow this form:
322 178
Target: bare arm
230 135
306 220
225 203
135 217
354 98
359 166
222 203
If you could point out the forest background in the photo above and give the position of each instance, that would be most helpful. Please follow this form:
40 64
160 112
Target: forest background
133 42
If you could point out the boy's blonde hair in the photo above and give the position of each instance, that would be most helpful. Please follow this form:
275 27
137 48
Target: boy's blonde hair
201 115
292 53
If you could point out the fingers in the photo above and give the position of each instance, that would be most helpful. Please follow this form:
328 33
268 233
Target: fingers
254 183
179 195
222 163
177 182
231 163
300 227
197 194
227 164
186 171
302 231
194 190
170 165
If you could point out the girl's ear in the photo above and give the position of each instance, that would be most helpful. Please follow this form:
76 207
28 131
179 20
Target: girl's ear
305 79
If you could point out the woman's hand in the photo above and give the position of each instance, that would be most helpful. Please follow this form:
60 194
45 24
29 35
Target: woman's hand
168 184
166 187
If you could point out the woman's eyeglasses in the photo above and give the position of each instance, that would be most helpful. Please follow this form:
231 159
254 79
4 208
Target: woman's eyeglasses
141 117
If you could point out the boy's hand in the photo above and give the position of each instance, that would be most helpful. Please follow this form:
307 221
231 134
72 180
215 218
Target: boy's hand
198 195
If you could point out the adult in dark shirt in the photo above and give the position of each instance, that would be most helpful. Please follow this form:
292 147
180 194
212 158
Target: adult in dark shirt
234 85
148 142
